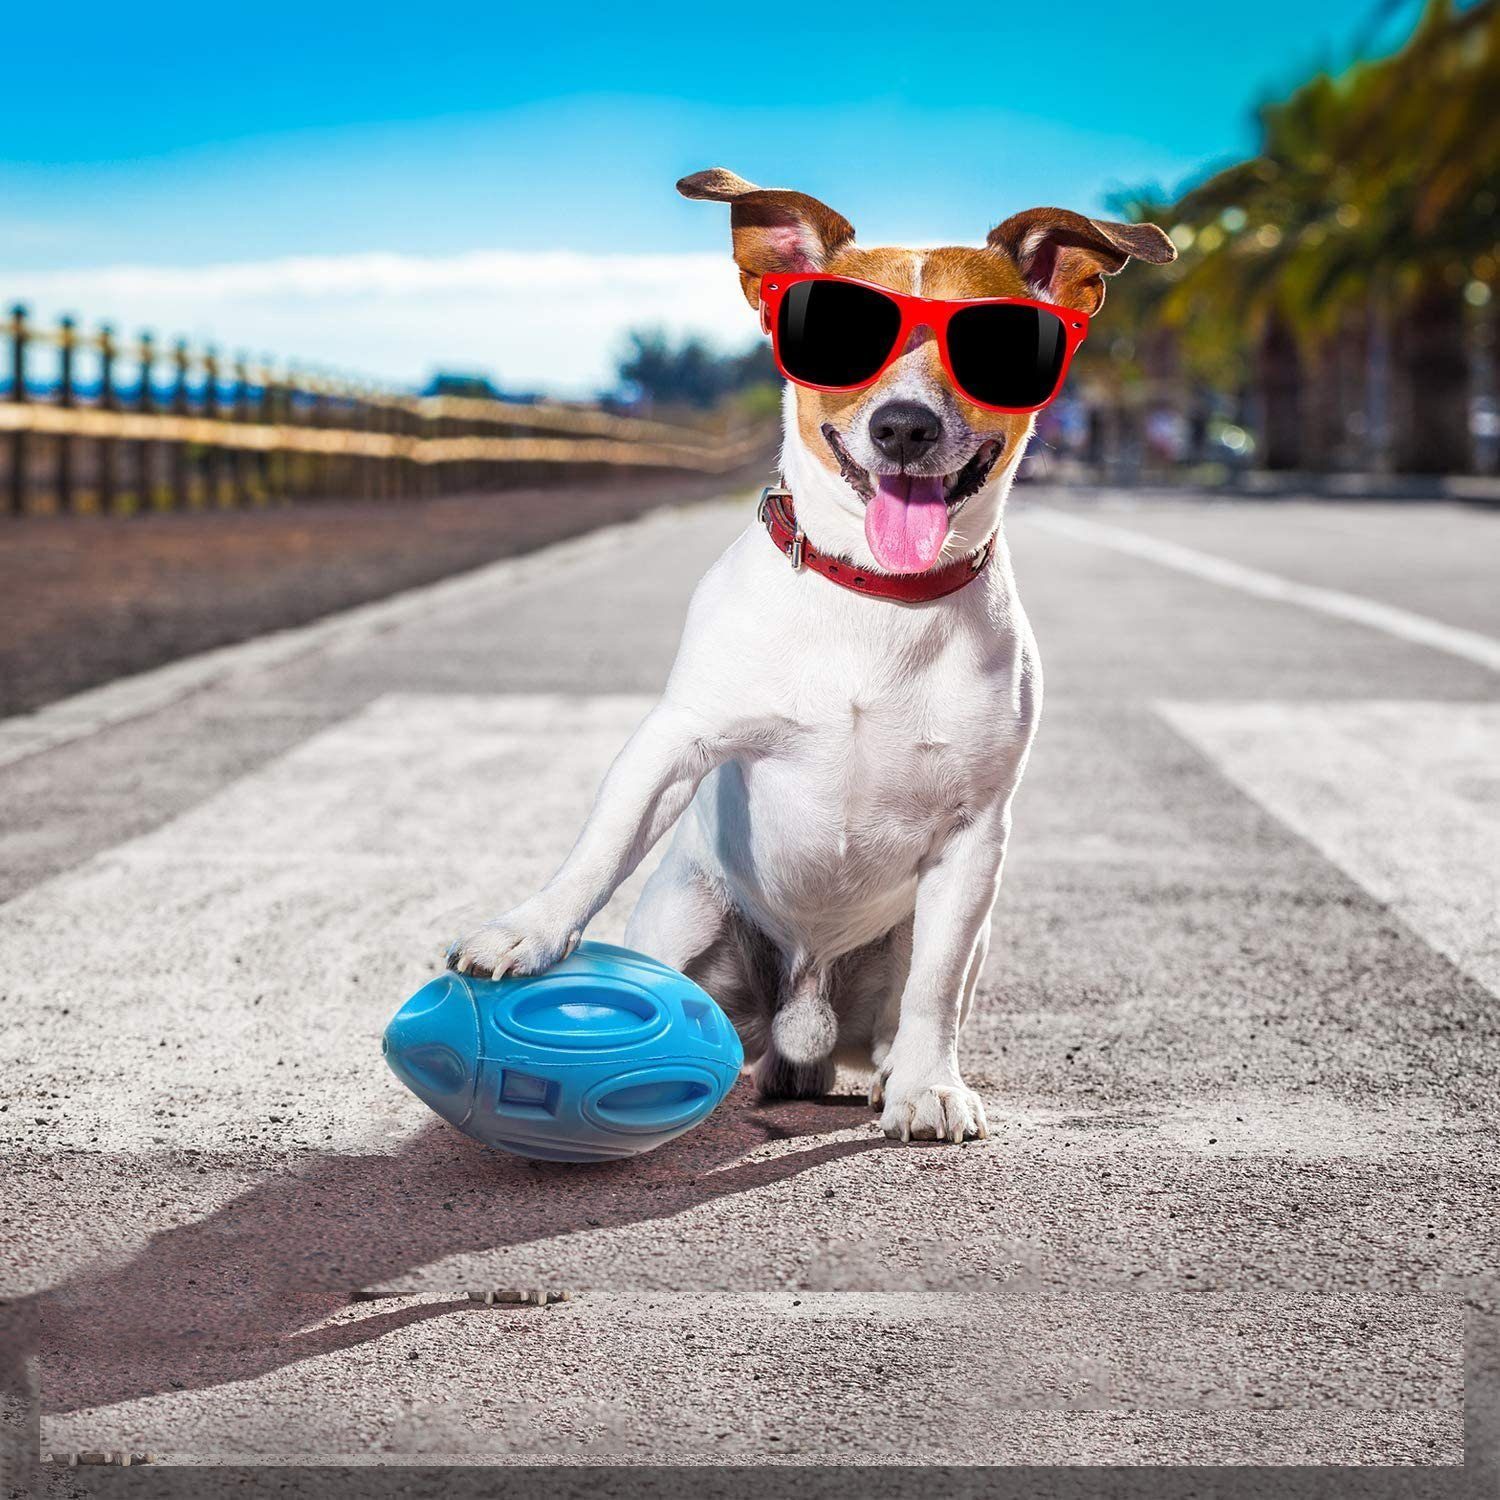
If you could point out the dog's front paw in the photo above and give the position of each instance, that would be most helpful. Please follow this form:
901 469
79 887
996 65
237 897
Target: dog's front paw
942 1111
524 941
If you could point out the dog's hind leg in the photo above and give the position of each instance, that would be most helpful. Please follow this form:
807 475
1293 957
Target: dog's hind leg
678 915
683 920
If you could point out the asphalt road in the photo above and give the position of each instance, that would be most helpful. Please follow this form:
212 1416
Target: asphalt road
1238 1043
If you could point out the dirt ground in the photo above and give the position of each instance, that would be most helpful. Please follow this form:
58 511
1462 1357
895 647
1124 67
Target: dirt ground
89 599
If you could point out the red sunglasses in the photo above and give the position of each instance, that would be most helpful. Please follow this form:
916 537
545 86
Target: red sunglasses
834 333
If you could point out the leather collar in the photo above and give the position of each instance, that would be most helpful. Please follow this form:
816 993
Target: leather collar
778 516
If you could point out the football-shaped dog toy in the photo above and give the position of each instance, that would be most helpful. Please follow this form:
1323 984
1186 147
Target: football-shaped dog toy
607 1054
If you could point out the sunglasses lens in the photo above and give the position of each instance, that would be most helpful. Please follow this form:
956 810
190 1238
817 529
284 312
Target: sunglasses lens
835 333
1005 355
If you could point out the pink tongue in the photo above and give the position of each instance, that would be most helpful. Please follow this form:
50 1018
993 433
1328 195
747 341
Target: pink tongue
906 522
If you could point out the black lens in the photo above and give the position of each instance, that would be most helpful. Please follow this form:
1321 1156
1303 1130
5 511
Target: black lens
834 332
1006 355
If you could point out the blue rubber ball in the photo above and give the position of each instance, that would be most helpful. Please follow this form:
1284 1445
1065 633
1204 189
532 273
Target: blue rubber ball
607 1054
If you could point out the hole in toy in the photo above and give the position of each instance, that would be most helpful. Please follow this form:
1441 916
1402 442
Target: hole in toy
702 1017
525 1093
582 1010
566 1012
641 1098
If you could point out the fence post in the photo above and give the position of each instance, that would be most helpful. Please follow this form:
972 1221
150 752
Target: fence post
292 466
364 421
18 455
338 463
320 472
65 347
144 402
213 458
181 485
396 418
390 468
270 459
240 459
423 476
106 446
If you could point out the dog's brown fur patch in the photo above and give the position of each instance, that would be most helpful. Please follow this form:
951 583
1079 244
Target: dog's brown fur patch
774 229
1067 256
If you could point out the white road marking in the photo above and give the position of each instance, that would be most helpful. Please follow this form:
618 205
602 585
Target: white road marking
1404 797
1421 630
153 989
116 702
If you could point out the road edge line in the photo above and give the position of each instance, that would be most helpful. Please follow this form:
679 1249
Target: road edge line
1421 630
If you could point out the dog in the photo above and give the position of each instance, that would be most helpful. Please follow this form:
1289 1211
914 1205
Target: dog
839 750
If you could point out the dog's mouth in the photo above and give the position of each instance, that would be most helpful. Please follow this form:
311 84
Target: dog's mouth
908 516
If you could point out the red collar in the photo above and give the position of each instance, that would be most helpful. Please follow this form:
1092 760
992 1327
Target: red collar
780 520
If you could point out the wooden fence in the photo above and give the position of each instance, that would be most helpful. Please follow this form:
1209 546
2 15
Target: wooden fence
162 428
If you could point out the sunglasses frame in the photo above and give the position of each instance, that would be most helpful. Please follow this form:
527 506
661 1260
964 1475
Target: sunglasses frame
918 312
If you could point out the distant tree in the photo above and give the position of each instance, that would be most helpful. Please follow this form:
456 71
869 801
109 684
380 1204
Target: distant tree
458 383
689 372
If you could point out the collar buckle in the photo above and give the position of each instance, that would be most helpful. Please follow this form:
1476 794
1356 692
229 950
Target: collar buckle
769 493
794 549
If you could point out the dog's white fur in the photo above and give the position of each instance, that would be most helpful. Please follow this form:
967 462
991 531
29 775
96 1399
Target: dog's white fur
840 770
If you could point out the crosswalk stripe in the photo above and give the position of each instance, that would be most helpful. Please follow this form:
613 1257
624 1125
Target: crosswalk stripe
1401 796
157 985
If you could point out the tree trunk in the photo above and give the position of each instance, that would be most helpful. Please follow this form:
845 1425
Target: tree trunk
1432 434
1351 361
1380 436
1322 411
1278 369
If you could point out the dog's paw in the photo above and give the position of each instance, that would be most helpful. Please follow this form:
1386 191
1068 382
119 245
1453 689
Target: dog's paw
944 1111
524 941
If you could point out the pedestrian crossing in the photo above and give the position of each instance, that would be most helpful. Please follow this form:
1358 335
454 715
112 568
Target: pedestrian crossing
197 1012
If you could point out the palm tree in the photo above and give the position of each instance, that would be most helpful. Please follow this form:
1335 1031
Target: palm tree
1369 207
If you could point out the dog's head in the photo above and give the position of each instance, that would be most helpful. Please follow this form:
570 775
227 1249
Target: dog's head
908 473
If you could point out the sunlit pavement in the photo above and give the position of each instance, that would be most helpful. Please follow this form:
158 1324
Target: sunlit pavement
1238 1042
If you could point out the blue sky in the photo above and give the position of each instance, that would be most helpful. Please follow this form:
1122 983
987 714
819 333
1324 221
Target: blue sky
346 182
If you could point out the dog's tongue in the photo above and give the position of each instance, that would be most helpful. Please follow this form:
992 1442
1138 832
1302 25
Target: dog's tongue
906 522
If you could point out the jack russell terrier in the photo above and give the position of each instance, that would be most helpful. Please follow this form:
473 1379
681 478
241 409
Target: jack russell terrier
857 686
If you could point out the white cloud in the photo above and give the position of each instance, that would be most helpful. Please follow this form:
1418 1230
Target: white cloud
547 319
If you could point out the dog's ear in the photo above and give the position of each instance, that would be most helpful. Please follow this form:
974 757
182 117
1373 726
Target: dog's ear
774 229
1065 257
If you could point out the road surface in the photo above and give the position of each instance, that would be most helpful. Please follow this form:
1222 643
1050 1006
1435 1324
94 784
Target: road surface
1238 1043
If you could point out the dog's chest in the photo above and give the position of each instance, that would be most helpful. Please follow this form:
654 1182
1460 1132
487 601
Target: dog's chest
886 756
888 741
872 771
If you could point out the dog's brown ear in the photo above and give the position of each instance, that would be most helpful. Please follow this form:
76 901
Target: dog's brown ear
1065 257
774 229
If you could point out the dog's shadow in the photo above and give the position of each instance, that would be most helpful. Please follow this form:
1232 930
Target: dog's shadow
223 1297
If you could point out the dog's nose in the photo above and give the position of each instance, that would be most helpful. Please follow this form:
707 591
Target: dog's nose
904 430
